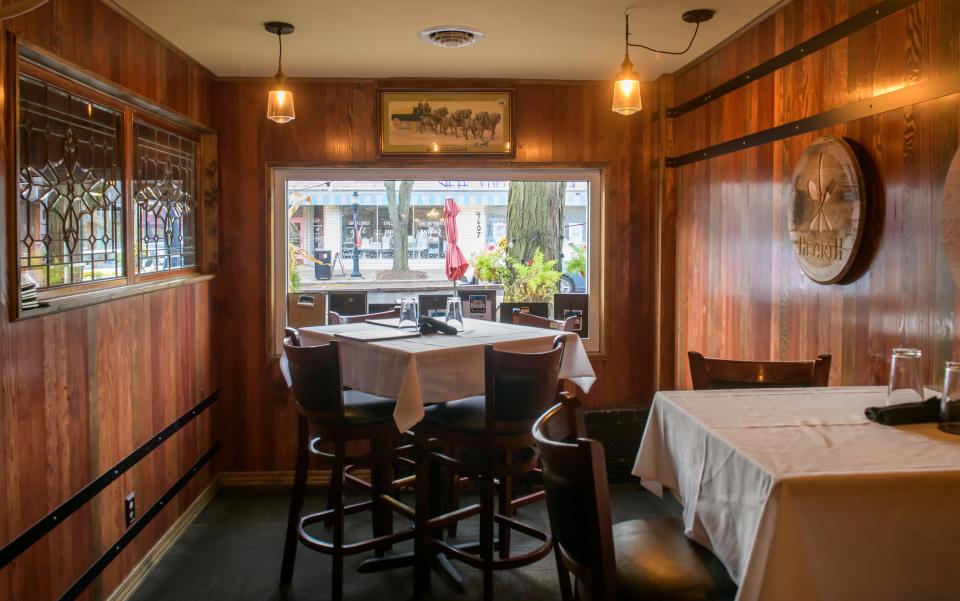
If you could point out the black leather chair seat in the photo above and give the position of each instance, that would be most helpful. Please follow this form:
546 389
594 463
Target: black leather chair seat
362 408
656 561
467 415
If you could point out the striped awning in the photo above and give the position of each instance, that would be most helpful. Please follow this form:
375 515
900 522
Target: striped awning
487 198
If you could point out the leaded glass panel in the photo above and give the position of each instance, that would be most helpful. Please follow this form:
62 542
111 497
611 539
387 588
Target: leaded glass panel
69 175
164 193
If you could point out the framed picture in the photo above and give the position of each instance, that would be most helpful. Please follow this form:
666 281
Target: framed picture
446 122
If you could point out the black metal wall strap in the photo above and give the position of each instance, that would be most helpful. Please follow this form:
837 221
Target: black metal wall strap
80 498
915 94
104 560
821 40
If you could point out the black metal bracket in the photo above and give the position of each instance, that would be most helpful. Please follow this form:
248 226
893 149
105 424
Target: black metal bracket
56 517
110 554
821 40
915 94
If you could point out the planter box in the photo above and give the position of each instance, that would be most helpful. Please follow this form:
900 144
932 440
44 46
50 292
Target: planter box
540 309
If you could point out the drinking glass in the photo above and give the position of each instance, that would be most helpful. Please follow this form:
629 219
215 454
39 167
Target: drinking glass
950 401
906 384
454 315
409 313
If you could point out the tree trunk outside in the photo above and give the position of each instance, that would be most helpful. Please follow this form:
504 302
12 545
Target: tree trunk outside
535 219
398 206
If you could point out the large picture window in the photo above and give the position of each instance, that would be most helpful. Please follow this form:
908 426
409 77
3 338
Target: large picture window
106 193
532 238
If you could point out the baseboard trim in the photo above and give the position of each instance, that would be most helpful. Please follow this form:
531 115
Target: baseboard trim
139 573
280 478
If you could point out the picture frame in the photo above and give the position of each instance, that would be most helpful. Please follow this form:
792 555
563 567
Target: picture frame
448 122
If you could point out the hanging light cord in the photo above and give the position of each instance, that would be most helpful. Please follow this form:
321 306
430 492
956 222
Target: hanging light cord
628 45
280 56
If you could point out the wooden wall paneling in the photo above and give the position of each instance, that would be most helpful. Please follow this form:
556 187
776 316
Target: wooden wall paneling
81 389
569 123
740 291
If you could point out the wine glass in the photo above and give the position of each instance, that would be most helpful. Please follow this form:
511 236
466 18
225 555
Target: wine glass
409 313
906 384
950 401
454 315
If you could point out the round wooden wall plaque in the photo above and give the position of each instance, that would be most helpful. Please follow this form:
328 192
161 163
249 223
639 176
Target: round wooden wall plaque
827 210
950 218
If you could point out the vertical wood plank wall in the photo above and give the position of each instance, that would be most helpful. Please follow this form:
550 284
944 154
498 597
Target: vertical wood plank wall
82 389
740 292
567 123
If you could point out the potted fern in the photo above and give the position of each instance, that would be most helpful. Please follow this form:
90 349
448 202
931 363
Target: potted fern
527 285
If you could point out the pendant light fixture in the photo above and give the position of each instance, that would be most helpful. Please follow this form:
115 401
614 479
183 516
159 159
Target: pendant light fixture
626 89
280 99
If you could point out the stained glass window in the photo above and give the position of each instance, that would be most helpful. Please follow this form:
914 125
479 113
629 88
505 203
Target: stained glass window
165 197
69 175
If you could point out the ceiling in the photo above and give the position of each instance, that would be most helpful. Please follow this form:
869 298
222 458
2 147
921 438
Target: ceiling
524 39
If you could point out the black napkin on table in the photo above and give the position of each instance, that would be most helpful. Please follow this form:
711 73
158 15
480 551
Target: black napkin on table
905 413
431 325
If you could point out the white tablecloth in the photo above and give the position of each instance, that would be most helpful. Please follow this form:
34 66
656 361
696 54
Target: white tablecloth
437 368
803 498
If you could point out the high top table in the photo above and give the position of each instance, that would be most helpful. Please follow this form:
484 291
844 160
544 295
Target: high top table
803 498
437 368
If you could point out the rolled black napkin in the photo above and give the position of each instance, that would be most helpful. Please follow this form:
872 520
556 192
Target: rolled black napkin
431 325
905 413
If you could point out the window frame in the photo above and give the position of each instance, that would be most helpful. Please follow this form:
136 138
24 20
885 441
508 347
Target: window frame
50 70
278 175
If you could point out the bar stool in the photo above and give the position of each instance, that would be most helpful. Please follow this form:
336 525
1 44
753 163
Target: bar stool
337 416
494 430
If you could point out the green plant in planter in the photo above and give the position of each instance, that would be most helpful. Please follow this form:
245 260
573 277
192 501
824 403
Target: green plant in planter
534 280
578 262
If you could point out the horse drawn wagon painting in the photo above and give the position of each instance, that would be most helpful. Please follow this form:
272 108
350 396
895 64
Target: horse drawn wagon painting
420 122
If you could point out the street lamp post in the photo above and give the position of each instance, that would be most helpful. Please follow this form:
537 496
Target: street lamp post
356 236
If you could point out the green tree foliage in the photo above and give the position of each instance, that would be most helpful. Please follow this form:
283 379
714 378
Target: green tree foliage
533 280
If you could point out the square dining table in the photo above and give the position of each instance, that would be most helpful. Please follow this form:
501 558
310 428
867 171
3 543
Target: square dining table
803 498
436 368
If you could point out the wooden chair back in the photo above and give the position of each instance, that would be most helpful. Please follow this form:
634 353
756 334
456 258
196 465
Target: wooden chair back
519 387
578 503
535 321
314 376
334 318
711 374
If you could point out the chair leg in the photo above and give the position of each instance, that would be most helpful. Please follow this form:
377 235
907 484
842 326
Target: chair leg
382 482
336 493
564 575
453 494
296 500
422 553
486 532
505 508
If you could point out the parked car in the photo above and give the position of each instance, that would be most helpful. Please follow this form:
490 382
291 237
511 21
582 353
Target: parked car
572 281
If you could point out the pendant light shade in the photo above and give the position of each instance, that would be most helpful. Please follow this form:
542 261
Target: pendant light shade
626 90
280 103
280 99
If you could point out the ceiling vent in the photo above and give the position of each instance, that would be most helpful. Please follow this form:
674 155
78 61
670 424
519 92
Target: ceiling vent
449 36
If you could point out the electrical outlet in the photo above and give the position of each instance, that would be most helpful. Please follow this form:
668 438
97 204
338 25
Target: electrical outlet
129 509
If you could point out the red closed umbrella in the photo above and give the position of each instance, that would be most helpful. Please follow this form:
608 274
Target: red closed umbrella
456 263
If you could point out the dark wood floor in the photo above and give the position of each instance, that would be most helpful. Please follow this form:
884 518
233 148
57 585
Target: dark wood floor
232 553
